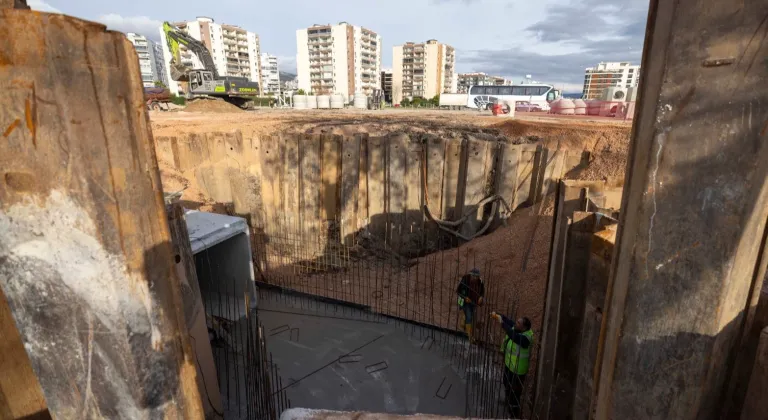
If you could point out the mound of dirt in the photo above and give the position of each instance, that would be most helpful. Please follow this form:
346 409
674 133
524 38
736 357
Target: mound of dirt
211 105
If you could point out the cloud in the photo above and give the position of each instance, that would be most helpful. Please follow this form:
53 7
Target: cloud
141 25
286 63
607 30
42 6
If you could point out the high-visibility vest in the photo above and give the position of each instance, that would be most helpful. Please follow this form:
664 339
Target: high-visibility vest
516 358
461 301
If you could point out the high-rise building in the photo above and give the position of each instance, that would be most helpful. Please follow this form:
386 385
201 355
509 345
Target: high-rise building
270 74
235 51
386 84
423 70
466 80
339 58
604 75
158 63
150 61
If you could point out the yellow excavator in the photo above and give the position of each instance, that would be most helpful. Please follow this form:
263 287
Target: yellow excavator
206 82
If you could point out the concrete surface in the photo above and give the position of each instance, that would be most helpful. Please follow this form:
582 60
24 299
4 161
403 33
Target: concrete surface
209 229
309 340
222 248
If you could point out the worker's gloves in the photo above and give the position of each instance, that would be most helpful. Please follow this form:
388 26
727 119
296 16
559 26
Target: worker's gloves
467 300
480 300
497 317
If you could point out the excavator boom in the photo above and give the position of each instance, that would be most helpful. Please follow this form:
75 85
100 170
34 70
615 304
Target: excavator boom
175 37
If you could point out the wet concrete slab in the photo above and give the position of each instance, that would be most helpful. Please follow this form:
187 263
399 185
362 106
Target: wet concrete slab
334 357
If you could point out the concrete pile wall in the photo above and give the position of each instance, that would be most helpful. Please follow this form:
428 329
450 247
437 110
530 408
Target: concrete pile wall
324 185
580 261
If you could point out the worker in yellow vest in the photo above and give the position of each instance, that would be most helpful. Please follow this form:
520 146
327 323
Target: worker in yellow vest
516 347
471 290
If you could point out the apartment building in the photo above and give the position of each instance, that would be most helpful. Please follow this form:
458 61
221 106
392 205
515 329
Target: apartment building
235 51
386 85
150 59
270 74
340 58
423 70
466 80
608 74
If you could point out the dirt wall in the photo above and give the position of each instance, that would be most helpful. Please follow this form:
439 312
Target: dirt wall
376 185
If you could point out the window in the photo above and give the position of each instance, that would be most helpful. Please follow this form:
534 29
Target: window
506 90
477 90
518 90
492 90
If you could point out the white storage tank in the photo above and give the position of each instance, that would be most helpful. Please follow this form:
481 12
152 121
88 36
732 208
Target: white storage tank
311 102
580 107
565 107
593 107
300 101
554 106
361 101
324 101
337 101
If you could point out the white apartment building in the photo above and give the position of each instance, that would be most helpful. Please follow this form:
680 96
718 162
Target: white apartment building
339 58
270 74
150 63
235 51
605 75
467 80
423 70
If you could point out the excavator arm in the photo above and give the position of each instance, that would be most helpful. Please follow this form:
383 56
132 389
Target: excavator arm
175 37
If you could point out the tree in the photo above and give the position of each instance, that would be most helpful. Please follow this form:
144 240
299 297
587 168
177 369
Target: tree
405 102
301 92
159 84
435 101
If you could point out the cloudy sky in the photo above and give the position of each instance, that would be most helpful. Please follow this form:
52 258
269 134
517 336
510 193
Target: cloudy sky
553 40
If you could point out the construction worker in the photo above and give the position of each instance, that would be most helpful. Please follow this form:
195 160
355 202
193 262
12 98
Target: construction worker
516 347
470 290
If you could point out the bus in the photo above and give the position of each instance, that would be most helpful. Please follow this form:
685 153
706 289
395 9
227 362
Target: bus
539 94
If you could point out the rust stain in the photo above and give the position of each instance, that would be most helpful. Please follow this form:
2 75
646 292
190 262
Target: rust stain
765 128
30 115
11 127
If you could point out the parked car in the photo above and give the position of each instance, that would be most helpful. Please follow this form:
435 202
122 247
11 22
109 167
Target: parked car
522 106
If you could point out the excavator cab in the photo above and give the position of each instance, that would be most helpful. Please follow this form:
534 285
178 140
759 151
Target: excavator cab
202 82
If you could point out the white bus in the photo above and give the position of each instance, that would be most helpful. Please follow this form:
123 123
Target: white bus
539 94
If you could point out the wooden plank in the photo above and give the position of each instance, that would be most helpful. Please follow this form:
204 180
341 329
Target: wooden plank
478 169
396 194
241 193
291 180
692 236
525 176
309 168
506 183
330 171
164 149
350 177
85 234
377 213
20 392
189 151
435 155
194 312
255 202
362 197
453 155
271 183
414 198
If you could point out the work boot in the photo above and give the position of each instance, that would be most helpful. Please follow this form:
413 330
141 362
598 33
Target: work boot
468 329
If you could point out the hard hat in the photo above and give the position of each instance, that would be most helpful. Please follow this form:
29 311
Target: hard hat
474 272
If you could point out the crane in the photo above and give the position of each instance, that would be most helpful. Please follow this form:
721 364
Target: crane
205 82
